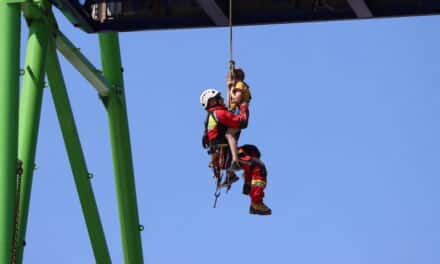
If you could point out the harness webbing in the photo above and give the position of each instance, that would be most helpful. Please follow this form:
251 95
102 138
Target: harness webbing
220 170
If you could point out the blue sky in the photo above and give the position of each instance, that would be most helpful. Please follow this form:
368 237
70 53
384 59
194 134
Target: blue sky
345 114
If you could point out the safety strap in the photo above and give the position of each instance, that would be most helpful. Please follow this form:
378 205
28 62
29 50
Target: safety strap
205 132
220 171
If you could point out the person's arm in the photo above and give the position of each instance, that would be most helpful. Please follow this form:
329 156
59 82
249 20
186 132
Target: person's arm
234 121
229 81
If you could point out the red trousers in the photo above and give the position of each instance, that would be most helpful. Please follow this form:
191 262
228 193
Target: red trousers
255 175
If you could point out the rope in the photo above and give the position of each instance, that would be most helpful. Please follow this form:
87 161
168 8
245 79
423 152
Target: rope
17 212
231 61
224 158
230 34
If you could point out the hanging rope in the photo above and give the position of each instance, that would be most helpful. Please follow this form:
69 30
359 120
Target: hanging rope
221 175
231 61
17 212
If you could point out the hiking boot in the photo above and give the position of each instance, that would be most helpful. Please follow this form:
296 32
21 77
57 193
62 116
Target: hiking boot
235 166
260 209
246 188
230 179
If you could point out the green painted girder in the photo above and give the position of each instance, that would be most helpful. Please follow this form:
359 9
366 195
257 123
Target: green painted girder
68 49
121 151
30 109
10 30
76 157
82 64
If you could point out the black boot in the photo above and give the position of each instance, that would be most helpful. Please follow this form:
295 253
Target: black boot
260 209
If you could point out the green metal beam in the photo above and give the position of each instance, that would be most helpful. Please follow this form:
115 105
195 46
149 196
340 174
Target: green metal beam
76 157
15 1
32 11
30 109
121 150
83 65
9 81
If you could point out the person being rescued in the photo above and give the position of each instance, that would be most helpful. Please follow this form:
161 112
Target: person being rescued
239 93
218 121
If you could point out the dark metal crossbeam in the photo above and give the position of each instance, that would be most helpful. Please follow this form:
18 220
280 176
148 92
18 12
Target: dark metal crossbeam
136 15
214 12
360 8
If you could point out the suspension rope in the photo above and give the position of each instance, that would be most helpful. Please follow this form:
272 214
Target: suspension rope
19 172
220 172
231 61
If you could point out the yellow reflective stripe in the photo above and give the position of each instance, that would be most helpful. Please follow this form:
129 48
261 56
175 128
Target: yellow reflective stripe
258 183
211 122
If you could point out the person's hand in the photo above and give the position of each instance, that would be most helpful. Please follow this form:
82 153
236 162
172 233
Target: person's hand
236 96
229 80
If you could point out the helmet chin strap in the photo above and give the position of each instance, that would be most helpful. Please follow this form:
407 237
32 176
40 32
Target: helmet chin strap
218 101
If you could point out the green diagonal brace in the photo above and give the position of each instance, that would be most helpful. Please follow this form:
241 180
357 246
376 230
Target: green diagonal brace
76 157
82 64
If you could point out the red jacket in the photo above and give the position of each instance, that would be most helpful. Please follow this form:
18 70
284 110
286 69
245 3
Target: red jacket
219 119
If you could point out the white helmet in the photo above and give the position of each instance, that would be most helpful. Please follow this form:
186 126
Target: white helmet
206 95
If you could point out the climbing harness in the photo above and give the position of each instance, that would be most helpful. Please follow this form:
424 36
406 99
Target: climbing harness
220 156
19 172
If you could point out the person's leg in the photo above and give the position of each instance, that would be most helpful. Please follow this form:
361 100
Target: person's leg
247 174
258 184
230 137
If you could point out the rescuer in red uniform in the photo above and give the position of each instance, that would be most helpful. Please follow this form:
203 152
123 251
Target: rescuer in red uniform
219 119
